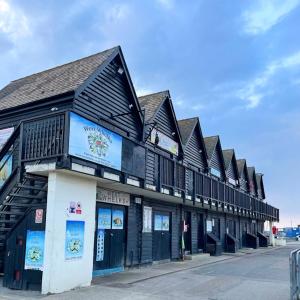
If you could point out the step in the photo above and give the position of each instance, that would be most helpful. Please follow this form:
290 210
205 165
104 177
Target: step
17 204
197 256
26 196
29 187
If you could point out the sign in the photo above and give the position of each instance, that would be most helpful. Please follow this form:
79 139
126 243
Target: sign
104 218
75 208
147 219
100 245
34 253
208 225
94 143
113 197
39 216
74 240
5 135
6 169
164 141
117 219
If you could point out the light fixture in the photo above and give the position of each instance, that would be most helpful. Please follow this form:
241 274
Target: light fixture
54 109
120 70
173 133
130 106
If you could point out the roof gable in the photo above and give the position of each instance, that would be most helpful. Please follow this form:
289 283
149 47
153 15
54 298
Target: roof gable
230 163
53 82
260 184
252 180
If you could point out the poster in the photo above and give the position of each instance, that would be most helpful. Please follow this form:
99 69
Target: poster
5 135
157 222
100 245
208 225
34 253
165 223
147 219
117 219
164 142
6 169
104 218
74 240
95 143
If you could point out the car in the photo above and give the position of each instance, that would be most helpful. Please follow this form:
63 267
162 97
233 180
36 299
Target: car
298 237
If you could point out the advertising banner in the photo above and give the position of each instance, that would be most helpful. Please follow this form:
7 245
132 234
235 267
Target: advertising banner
34 253
104 218
117 219
6 165
147 219
164 142
94 143
157 222
100 245
165 223
74 240
5 135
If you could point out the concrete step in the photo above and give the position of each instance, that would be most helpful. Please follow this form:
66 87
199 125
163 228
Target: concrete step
197 256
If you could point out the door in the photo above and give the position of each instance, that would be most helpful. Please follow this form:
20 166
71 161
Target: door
187 232
200 231
109 249
161 236
244 233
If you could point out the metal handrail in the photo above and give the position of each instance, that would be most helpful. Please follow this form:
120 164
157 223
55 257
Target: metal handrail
295 274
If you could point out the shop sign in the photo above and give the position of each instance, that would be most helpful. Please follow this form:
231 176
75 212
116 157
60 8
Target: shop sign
39 216
34 253
113 197
74 243
147 219
164 142
5 135
94 143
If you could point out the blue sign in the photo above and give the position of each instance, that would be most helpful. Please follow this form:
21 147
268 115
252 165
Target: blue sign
100 245
95 143
34 254
104 218
74 240
117 219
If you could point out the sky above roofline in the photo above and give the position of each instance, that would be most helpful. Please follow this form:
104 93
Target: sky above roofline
235 65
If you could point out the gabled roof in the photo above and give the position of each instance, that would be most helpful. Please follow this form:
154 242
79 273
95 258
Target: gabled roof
56 81
229 156
152 102
259 179
241 163
187 127
251 172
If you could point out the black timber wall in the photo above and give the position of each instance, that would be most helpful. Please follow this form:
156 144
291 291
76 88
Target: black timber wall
216 161
231 172
243 180
109 93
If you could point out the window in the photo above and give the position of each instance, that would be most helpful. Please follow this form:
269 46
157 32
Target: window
215 172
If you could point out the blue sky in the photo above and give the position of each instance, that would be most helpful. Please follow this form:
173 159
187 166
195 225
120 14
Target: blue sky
235 64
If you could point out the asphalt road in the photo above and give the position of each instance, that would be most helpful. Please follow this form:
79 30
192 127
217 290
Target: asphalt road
262 274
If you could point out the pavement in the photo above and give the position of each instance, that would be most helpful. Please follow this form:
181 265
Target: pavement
249 274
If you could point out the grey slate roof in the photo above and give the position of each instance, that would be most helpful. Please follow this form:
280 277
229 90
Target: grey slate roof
227 154
186 128
52 82
152 102
210 144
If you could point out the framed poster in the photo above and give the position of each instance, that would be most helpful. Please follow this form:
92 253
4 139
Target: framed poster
209 225
6 170
117 219
94 143
5 135
147 219
164 141
34 253
104 218
100 245
74 243
165 223
157 222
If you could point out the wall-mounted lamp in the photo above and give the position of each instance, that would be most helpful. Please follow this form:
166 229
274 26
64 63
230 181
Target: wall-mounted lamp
54 109
173 133
130 106
120 71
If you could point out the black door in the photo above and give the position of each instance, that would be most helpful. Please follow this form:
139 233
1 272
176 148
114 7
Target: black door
200 231
244 232
161 236
110 237
187 232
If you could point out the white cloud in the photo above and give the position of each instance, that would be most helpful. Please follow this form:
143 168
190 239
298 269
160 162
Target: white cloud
166 4
253 91
13 22
143 91
266 14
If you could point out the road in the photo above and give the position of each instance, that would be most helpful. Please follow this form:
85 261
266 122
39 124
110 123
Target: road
261 274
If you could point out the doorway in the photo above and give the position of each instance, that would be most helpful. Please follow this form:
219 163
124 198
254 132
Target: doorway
187 232
161 236
201 235
109 249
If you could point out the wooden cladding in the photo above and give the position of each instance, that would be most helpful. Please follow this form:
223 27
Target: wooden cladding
43 138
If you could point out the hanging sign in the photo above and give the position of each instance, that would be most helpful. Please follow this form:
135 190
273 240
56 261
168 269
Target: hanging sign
117 219
34 253
74 240
100 245
113 197
104 218
39 216
5 135
164 141
147 219
94 143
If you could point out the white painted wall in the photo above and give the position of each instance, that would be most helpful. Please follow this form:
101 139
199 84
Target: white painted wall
59 274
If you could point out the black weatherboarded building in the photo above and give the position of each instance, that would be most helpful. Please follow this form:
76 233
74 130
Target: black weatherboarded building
94 179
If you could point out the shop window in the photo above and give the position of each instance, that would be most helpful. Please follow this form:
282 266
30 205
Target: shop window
161 222
215 172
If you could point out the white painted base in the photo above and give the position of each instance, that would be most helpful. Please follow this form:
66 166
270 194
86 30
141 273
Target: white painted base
61 275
